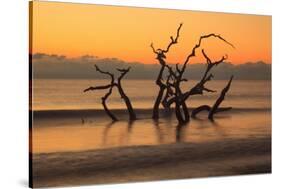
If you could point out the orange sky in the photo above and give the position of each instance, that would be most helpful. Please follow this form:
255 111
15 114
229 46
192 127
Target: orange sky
126 33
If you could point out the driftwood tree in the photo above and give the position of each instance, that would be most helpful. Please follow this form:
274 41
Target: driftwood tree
161 56
199 88
215 108
169 90
114 83
181 109
130 109
174 94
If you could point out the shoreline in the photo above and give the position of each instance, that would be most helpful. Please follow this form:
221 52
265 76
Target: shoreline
147 163
38 114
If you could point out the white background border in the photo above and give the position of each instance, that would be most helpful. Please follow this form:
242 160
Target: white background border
14 91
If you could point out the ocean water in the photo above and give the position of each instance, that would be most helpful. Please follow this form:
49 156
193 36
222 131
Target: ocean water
53 94
71 134
250 118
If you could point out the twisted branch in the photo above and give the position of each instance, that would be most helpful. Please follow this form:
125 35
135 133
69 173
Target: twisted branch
110 86
159 81
220 99
123 72
199 88
193 51
98 88
215 108
172 42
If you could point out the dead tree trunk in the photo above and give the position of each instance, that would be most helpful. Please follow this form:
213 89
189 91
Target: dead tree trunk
219 100
162 87
199 87
207 108
105 97
181 109
169 92
183 105
180 98
105 106
215 108
176 96
160 56
200 109
132 115
113 83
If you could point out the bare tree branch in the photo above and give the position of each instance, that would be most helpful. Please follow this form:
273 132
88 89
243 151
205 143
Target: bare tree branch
215 108
193 51
220 99
159 81
106 73
208 109
110 86
153 49
123 73
199 88
130 109
172 86
200 109
162 87
104 98
98 88
173 41
169 90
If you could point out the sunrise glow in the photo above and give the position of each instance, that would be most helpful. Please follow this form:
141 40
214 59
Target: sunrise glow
126 33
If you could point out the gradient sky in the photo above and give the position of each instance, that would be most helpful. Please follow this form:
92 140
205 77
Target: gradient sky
126 33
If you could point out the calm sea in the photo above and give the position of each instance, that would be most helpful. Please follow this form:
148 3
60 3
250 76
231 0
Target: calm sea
81 133
53 94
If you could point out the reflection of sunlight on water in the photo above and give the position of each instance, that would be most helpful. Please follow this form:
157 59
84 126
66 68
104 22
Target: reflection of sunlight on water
59 136
67 94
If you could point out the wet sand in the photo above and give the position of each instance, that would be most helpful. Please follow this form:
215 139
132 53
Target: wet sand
84 149
92 130
146 163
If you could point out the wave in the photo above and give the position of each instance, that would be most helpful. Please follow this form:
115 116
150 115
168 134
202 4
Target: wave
102 166
100 112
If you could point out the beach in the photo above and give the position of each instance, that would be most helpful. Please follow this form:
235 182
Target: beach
74 142
92 150
146 163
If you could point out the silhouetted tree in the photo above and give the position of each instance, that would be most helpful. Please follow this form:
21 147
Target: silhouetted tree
103 87
169 91
113 83
219 100
161 56
174 94
215 108
181 109
199 88
126 99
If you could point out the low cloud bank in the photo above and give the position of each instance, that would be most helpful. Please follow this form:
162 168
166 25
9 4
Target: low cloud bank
60 67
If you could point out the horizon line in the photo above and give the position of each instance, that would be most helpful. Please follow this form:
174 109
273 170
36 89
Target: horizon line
91 56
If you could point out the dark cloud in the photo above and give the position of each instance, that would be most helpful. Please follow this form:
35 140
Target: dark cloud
46 56
39 55
57 66
88 57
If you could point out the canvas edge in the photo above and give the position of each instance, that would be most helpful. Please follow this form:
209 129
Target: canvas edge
30 117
